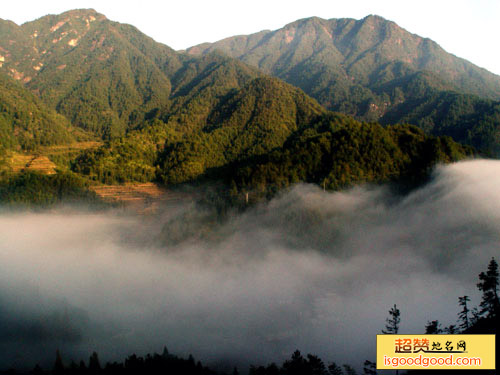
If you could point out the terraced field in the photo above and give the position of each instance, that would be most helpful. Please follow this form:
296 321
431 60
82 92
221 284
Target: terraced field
142 197
46 159
73 147
17 162
63 155
40 163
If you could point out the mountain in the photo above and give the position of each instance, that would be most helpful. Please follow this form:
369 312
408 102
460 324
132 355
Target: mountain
249 122
207 131
266 136
370 68
108 78
465 117
368 52
337 152
105 77
181 118
113 81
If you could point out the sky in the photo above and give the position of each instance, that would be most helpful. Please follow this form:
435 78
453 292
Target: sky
466 28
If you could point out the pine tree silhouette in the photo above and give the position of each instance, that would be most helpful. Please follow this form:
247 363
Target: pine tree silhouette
392 323
58 364
94 364
489 286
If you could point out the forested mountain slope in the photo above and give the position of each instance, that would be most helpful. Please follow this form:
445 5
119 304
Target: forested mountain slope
26 122
377 71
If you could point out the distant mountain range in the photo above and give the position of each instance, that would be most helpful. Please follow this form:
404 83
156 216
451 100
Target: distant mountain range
217 110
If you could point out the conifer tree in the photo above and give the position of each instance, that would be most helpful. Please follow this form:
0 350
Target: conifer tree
349 370
37 370
392 323
165 353
334 369
433 328
489 286
94 364
463 315
370 368
451 329
58 364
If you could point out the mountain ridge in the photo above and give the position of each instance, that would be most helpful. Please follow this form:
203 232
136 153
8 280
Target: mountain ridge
177 118
375 70
344 33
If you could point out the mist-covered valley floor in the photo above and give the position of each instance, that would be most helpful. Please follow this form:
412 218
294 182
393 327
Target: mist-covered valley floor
309 270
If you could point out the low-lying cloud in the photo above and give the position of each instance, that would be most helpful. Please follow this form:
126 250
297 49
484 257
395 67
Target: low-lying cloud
309 270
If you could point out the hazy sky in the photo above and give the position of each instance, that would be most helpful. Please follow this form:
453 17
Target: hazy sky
466 28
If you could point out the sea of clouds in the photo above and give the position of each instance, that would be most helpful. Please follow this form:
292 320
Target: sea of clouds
309 270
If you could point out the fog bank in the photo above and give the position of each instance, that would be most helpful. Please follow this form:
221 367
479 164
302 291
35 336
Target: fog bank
311 270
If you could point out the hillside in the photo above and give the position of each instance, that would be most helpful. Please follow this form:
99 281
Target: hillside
109 78
216 130
250 122
26 123
337 152
319 147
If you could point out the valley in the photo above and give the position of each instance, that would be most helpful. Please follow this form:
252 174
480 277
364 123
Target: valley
242 202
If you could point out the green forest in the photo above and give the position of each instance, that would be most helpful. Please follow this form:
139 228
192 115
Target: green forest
330 150
177 118
33 189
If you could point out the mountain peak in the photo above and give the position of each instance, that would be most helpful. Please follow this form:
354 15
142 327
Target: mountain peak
306 21
374 17
54 22
79 13
56 27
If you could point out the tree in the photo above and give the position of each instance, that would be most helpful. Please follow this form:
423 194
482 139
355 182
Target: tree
489 286
392 323
315 365
334 369
165 352
370 368
463 315
433 328
73 368
349 370
82 367
58 364
451 329
94 364
475 316
296 365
